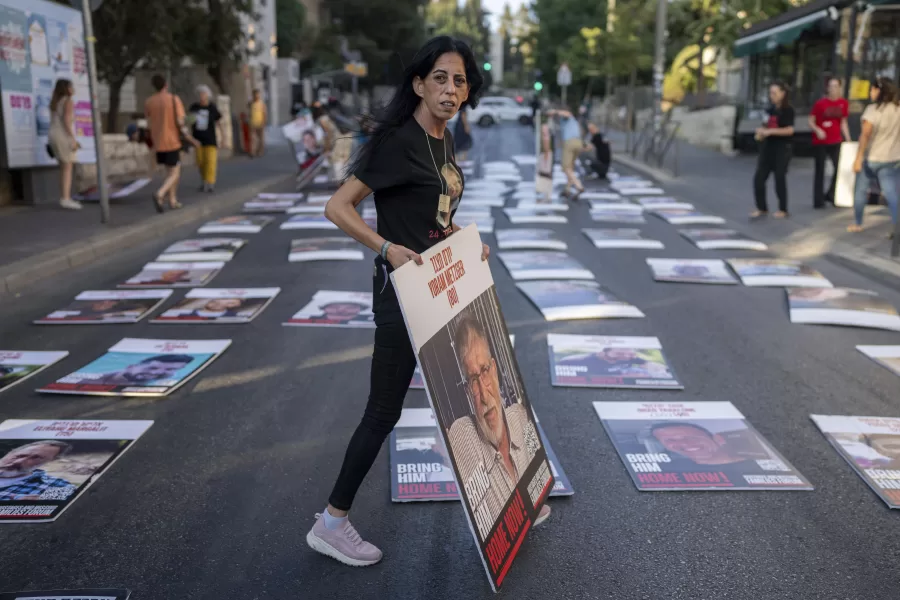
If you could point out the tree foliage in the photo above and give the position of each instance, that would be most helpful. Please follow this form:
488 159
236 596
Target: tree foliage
215 36
290 16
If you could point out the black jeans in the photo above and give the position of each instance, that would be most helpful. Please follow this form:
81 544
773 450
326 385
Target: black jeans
833 153
393 363
591 163
774 156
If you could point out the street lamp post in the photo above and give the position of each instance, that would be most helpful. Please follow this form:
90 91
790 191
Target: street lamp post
87 6
659 62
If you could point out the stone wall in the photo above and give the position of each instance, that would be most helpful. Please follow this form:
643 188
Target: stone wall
710 128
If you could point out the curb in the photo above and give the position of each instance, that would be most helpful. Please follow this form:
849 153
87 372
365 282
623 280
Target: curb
636 165
15 277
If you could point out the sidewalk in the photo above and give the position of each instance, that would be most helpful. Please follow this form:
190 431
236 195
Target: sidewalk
37 242
723 185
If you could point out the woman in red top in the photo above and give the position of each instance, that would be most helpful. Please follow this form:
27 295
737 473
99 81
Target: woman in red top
828 121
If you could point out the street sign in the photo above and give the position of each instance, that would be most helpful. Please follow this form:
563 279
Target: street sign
94 4
564 76
357 69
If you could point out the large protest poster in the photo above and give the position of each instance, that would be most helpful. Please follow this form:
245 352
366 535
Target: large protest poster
474 386
841 306
140 367
107 306
40 43
18 365
609 362
680 446
46 465
420 470
79 594
872 447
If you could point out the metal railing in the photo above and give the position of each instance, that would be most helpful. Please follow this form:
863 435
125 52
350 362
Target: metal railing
652 145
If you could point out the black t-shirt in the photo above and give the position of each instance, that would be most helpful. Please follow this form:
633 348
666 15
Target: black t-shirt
408 180
779 117
602 148
206 117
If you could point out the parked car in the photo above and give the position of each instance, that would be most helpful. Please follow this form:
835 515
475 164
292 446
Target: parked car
494 109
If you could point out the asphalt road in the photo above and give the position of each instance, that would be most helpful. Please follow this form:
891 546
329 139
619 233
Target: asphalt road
215 500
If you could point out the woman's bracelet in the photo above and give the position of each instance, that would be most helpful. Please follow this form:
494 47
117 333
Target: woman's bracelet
384 249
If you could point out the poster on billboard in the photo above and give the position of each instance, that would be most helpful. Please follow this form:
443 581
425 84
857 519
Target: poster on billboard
690 270
777 272
473 384
107 306
41 43
609 362
684 446
140 368
420 469
18 365
841 306
871 445
567 300
46 465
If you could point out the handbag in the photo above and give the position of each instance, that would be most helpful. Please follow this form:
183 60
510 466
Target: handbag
50 151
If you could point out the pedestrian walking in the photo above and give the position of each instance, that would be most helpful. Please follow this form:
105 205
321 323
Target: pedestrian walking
462 135
61 139
828 121
409 164
774 152
572 146
168 137
206 118
878 156
259 116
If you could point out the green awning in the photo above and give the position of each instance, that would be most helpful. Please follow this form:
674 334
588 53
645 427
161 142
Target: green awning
770 39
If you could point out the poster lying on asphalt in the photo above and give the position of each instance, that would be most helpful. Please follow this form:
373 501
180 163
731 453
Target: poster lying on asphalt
174 275
308 222
609 362
18 365
721 239
317 198
474 386
420 469
292 196
664 203
618 214
115 190
201 249
529 239
567 300
601 196
617 202
79 594
886 356
224 305
46 465
872 447
325 248
141 367
543 264
485 224
535 203
266 206
336 309
621 238
307 209
107 306
682 446
533 216
641 191
236 224
485 199
683 216
688 270
758 272
841 306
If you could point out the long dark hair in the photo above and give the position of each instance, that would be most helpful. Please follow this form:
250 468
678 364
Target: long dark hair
62 90
786 101
887 91
404 102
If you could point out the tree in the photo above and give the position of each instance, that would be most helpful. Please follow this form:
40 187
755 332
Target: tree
125 40
214 37
292 31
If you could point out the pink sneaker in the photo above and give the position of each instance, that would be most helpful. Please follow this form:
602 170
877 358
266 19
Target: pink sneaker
343 544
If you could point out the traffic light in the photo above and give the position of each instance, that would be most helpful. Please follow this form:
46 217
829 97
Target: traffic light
487 66
538 86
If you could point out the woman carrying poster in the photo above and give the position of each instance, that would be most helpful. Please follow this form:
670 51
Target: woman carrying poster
408 162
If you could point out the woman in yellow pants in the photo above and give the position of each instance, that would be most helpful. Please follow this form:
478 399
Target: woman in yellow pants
206 118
